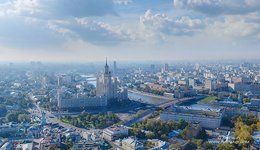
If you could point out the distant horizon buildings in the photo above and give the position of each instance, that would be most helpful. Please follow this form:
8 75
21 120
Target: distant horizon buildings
165 68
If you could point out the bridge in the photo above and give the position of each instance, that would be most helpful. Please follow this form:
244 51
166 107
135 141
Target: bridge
179 101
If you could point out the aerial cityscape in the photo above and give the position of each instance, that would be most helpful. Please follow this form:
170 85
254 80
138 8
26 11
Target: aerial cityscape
129 75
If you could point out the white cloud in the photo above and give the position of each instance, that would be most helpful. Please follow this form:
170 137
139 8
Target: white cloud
245 27
95 32
161 24
122 2
29 23
218 7
93 26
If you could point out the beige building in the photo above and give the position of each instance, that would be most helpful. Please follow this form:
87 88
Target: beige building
130 143
114 132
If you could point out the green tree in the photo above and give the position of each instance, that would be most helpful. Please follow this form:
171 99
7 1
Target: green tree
182 124
164 137
23 118
243 134
202 135
225 146
208 146
12 117
150 135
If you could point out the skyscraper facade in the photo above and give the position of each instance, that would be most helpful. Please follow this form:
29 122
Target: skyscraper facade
106 85
115 67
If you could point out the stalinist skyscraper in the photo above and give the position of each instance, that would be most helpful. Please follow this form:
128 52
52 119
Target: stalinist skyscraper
106 85
107 93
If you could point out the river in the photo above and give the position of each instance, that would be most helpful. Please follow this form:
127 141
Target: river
197 105
91 79
147 99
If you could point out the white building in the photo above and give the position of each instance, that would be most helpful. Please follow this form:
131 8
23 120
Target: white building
206 118
158 144
82 102
114 132
130 143
7 146
26 146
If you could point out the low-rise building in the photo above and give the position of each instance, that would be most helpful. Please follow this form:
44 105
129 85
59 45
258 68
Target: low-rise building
7 146
130 143
25 146
256 137
10 128
114 132
85 145
93 135
254 104
206 117
2 141
158 144
49 142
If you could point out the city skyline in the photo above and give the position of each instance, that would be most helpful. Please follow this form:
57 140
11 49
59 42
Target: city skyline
69 31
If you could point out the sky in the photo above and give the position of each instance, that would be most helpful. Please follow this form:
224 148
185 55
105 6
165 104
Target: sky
135 30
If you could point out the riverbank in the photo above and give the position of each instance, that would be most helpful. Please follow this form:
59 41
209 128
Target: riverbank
150 95
147 98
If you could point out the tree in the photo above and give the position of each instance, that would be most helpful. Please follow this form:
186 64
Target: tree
182 124
164 137
203 134
208 146
12 117
225 146
243 134
23 118
246 119
183 133
150 135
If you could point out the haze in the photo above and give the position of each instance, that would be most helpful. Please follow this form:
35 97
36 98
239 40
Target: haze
65 30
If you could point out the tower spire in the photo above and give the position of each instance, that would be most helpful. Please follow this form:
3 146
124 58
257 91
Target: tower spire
106 67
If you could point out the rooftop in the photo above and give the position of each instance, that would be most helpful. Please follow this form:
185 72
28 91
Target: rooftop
195 111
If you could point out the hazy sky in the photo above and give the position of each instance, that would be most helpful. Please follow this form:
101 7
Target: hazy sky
87 30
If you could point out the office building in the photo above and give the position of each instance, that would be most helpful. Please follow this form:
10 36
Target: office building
205 117
210 84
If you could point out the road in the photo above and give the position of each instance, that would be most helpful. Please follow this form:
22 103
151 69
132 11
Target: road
140 118
50 118
163 106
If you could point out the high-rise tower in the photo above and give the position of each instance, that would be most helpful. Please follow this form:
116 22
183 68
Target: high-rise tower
104 84
115 67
